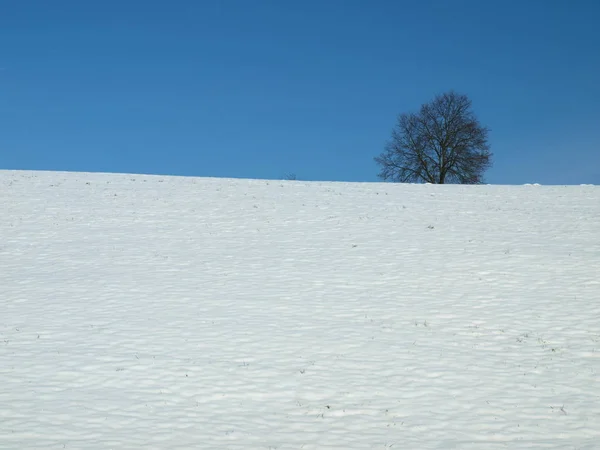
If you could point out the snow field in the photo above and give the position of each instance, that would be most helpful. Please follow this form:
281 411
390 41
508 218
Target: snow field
175 313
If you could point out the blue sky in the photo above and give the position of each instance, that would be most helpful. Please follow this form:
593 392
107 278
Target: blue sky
263 88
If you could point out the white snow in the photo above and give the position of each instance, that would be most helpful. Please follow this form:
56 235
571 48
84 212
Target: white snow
177 313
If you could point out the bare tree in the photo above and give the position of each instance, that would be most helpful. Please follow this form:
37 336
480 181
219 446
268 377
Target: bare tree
442 143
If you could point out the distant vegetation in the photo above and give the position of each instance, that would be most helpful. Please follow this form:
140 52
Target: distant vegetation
441 143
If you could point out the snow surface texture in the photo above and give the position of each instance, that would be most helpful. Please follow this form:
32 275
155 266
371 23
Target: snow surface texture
178 313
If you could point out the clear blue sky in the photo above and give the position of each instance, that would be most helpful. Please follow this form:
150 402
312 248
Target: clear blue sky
262 88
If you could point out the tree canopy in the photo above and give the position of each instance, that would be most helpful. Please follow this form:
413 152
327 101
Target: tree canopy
441 143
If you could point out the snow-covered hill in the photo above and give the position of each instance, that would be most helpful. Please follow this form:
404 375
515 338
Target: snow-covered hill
185 313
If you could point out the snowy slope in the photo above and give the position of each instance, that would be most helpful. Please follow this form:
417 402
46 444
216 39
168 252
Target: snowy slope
178 313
